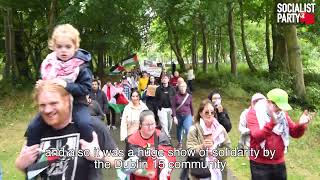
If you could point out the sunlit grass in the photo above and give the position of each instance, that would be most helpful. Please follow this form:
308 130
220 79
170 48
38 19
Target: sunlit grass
15 112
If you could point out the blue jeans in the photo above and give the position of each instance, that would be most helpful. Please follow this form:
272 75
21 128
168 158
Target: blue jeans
184 122
0 173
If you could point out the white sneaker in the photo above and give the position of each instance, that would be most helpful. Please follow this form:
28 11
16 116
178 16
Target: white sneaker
114 127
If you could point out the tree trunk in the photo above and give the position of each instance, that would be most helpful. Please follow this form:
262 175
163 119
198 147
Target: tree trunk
194 45
110 61
52 16
11 67
267 37
174 42
37 62
222 51
21 58
104 60
295 63
213 46
232 39
280 62
245 49
218 47
187 59
7 59
100 63
91 63
204 45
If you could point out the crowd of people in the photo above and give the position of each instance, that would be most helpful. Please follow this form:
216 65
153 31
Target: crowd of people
73 106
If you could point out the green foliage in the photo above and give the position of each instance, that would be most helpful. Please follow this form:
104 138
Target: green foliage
313 91
14 103
247 83
235 91
8 88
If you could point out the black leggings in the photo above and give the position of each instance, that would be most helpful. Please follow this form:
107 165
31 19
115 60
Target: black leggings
111 115
261 171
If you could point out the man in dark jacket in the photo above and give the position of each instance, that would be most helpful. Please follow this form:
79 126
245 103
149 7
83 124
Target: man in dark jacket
99 96
95 109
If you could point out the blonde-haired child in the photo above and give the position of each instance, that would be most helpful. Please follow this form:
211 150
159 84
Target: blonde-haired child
67 66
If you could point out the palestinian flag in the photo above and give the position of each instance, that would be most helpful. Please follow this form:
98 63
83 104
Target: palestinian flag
42 164
116 69
118 108
130 61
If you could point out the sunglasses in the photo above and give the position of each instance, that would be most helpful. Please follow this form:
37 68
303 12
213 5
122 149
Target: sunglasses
209 113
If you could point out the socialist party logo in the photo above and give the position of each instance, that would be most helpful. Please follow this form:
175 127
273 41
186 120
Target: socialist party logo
295 13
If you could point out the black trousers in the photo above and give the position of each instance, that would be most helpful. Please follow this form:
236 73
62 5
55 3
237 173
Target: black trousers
152 105
111 115
261 171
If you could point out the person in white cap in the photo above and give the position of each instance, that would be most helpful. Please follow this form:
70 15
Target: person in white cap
244 141
269 132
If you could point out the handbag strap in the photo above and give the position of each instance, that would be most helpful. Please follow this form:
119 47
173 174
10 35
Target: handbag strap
184 100
156 145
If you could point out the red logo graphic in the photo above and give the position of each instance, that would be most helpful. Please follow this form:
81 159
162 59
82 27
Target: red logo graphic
306 18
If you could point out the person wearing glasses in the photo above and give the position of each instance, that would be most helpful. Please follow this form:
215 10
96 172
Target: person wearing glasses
151 146
222 113
208 134
130 115
270 127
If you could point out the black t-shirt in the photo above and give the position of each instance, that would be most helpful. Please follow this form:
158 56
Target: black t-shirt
163 95
67 140
60 149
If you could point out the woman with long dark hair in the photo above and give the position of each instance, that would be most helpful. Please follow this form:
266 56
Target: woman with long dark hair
130 116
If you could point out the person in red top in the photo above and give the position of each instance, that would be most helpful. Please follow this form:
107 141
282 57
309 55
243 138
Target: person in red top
110 92
270 127
174 79
149 139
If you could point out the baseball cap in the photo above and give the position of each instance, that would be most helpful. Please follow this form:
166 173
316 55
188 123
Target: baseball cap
257 96
280 98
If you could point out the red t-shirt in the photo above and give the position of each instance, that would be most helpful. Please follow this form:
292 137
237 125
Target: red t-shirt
136 139
108 94
174 81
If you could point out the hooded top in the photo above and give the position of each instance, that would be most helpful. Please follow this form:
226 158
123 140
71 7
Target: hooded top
75 72
83 55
